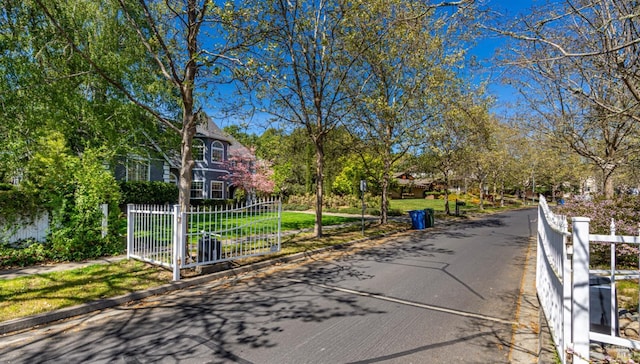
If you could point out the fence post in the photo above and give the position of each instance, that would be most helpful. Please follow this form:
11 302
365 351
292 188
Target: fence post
177 241
129 230
105 219
580 310
567 292
279 223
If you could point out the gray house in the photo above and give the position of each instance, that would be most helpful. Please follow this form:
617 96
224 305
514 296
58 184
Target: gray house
211 150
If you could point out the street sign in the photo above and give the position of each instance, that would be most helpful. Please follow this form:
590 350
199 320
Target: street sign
363 185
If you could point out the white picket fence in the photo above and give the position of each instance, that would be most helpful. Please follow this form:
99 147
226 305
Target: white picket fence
35 229
166 236
563 283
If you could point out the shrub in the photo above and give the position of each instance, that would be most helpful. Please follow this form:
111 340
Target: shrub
153 193
435 194
302 200
22 257
213 203
16 204
294 207
338 201
79 218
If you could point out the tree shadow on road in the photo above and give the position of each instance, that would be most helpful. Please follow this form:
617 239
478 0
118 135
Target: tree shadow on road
222 321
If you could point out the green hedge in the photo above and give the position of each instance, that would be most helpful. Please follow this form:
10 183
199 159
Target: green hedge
211 203
142 192
15 203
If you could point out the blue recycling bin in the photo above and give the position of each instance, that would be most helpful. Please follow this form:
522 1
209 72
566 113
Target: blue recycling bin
417 219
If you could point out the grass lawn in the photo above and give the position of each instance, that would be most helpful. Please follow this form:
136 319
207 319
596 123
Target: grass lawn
298 220
24 296
406 205
471 205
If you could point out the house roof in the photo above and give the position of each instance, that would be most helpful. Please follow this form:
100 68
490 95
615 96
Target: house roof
209 129
406 179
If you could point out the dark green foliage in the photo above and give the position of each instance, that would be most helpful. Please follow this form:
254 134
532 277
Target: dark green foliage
295 207
154 193
212 203
21 257
16 203
6 187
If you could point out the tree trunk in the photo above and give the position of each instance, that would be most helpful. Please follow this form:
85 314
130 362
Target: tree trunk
607 181
481 184
186 166
384 199
188 116
446 195
607 186
319 186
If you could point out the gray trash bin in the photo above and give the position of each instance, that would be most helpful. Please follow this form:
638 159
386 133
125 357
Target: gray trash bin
208 249
429 217
600 306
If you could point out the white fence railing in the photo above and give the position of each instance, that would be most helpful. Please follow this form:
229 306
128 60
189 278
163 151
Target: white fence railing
553 276
563 284
25 229
158 235
38 226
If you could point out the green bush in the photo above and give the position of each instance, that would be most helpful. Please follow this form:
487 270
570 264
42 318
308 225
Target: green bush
16 203
212 203
79 217
21 257
295 207
307 200
435 194
6 187
153 193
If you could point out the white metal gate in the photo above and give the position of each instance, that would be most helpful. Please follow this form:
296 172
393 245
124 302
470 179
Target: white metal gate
166 236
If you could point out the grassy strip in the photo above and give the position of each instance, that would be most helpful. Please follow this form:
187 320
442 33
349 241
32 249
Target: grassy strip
25 296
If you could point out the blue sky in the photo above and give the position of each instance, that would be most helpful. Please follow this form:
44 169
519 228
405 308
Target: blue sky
484 51
486 48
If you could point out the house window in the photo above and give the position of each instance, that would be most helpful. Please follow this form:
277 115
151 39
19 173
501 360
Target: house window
173 178
137 170
198 149
217 152
197 189
217 189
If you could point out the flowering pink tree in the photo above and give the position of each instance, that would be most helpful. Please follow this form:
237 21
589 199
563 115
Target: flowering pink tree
623 211
253 176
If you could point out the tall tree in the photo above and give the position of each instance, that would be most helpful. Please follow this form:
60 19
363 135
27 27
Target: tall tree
583 45
607 140
186 50
411 49
302 69
582 59
483 144
447 145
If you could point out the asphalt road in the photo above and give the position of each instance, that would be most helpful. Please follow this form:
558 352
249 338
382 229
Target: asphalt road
430 296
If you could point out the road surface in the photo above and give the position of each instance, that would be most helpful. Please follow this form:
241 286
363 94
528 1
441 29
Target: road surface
429 296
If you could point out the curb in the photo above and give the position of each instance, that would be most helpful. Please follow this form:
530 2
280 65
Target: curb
29 322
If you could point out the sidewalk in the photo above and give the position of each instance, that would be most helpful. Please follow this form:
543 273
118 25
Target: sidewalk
530 343
42 269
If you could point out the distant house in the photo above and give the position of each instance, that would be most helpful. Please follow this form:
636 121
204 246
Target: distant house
408 186
211 150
